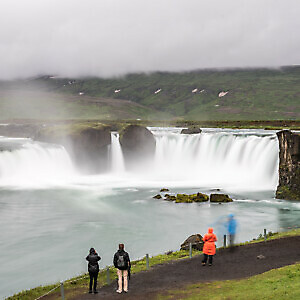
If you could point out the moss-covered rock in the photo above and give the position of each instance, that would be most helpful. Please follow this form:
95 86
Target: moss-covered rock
199 197
164 190
158 196
170 197
185 198
220 198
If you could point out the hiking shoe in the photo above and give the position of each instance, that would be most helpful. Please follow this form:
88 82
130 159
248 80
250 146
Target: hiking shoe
118 291
96 292
126 291
90 291
203 264
210 265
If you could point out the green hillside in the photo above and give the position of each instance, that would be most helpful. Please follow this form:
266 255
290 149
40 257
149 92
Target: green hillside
252 94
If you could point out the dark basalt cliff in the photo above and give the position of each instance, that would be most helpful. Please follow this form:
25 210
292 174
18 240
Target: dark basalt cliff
138 143
289 165
87 145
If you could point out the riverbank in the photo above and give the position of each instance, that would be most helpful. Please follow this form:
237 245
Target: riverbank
77 287
116 125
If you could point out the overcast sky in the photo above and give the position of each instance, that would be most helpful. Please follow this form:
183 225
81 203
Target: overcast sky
114 37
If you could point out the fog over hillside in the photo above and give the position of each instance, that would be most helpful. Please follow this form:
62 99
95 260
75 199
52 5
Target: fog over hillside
114 37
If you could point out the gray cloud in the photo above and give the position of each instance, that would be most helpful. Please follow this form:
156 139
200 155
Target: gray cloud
114 37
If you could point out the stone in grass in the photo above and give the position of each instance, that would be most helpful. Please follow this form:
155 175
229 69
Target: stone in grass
164 190
220 198
260 256
158 196
196 240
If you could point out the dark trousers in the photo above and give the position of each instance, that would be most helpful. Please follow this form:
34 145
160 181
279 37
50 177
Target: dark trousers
93 277
210 258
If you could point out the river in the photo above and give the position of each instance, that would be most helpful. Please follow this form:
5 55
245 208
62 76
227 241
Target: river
51 214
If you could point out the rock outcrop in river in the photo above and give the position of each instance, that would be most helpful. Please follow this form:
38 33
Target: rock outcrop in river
289 165
191 130
87 144
138 143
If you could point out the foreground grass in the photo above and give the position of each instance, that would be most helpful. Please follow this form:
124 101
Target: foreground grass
283 283
79 285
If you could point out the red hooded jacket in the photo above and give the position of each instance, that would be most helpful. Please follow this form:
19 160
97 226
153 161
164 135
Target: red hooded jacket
209 240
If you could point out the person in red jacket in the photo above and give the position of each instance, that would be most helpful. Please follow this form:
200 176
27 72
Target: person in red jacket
209 248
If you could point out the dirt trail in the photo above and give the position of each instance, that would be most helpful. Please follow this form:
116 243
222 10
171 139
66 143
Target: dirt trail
240 263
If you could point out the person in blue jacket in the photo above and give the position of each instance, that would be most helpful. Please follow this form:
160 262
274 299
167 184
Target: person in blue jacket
231 228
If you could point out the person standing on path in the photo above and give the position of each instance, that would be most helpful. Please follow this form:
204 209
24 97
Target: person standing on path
231 228
93 269
209 248
122 263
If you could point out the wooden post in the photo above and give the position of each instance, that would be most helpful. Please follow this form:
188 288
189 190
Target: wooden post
62 292
107 276
191 250
265 234
147 261
224 241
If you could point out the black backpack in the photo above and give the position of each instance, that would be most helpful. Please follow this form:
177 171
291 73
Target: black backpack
93 268
122 262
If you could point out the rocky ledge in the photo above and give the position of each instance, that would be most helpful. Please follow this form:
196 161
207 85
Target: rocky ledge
289 165
191 130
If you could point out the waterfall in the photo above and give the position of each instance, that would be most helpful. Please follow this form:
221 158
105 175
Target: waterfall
23 161
217 158
214 158
117 160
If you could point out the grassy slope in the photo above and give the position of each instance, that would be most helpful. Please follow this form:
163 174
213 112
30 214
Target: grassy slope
42 105
255 94
81 284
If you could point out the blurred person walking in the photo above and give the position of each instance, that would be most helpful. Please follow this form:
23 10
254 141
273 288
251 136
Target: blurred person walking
209 248
122 263
231 228
93 269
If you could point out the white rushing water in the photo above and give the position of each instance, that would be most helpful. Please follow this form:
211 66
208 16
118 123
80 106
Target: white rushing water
213 159
49 210
30 163
117 160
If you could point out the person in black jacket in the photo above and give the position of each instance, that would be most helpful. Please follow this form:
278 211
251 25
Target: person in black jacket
93 268
122 263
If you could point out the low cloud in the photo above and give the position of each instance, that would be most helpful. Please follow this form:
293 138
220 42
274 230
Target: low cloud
114 37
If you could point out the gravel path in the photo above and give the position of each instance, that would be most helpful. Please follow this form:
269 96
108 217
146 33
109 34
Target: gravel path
240 263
